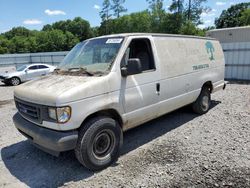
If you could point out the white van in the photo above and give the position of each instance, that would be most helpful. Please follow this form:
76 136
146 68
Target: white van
110 84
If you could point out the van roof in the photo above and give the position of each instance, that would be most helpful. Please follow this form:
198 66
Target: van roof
230 29
156 35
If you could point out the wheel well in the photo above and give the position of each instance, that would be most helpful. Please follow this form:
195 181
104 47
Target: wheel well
109 112
15 77
208 85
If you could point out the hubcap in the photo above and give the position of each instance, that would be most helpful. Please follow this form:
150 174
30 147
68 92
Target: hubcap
15 81
205 103
103 143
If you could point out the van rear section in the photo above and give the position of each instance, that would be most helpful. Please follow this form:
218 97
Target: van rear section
187 65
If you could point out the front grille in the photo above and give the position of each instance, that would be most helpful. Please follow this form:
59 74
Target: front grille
29 110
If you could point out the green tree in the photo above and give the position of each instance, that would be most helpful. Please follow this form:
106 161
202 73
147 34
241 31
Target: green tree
190 10
190 28
18 31
70 41
95 31
105 16
135 22
177 6
232 16
47 27
245 18
194 10
157 14
118 8
21 44
105 12
172 23
4 45
175 20
51 41
140 22
78 27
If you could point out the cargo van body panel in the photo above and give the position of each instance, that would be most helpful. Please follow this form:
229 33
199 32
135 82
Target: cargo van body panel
138 77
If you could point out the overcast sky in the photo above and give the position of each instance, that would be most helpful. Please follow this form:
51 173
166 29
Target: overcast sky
33 14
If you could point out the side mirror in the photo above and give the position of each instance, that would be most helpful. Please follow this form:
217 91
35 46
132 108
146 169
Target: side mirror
133 67
26 71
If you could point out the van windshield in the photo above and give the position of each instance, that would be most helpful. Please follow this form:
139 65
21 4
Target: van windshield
92 56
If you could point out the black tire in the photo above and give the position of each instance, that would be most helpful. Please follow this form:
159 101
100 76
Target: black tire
15 81
203 102
99 143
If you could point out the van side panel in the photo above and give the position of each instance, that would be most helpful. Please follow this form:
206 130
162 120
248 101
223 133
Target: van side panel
179 56
186 64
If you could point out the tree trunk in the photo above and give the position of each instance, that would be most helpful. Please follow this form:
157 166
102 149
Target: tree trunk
189 10
178 6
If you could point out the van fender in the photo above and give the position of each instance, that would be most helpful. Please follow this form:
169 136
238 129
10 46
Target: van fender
101 105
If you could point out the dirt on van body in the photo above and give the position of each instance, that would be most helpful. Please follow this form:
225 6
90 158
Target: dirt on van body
180 149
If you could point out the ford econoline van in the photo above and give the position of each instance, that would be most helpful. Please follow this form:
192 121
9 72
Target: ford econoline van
109 84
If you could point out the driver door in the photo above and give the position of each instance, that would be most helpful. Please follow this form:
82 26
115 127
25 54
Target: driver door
141 91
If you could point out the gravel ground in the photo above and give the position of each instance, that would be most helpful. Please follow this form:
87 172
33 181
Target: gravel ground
179 149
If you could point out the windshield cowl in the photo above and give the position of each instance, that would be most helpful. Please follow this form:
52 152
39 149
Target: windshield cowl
78 72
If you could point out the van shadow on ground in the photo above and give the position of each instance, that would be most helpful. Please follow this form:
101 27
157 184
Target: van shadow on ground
38 169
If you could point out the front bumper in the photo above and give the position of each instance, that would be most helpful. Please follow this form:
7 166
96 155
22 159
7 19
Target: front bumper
50 141
3 79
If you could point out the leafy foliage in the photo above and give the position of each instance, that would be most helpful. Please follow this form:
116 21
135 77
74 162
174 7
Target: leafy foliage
135 22
63 35
245 18
78 27
118 8
105 12
234 16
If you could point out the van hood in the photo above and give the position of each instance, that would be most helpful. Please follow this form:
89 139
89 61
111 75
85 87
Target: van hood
56 90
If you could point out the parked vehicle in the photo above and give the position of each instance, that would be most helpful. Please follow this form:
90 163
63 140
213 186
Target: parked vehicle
26 73
110 84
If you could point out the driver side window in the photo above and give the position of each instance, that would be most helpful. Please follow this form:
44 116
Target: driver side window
141 49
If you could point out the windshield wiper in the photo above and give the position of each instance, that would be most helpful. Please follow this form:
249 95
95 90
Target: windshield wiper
83 70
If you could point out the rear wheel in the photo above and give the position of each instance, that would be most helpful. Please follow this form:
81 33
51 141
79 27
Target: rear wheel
203 102
15 81
99 143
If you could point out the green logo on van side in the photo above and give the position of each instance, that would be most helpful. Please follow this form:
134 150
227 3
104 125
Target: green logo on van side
210 50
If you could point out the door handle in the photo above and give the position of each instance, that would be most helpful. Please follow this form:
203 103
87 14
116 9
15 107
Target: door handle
158 88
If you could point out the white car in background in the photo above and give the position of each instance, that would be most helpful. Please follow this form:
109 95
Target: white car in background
26 73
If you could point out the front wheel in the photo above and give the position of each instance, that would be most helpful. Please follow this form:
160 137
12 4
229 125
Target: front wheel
203 102
15 81
99 143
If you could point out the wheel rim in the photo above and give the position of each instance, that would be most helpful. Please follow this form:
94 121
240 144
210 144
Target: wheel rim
15 81
205 103
103 144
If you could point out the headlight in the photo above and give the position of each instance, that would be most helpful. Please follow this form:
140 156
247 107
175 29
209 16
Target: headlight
61 115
